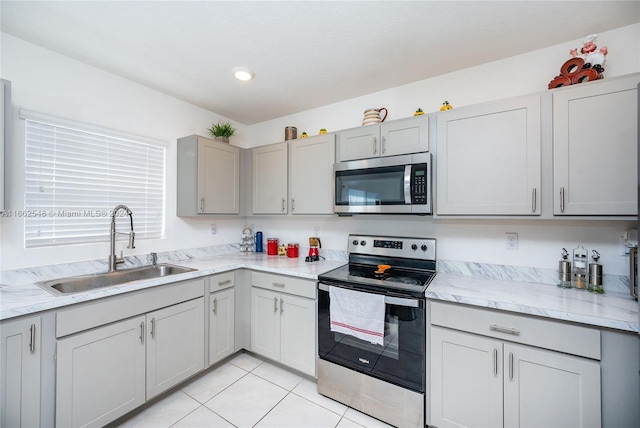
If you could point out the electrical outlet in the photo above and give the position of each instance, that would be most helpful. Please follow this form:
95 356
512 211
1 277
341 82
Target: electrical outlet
511 241
214 229
316 229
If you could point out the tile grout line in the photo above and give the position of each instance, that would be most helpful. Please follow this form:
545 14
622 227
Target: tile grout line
251 371
220 392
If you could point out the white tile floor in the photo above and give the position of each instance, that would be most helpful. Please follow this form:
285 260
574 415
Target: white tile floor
249 392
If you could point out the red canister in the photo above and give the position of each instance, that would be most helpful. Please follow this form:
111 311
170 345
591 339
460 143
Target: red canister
293 250
272 246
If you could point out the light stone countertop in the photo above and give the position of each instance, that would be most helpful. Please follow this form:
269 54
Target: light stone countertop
19 295
614 310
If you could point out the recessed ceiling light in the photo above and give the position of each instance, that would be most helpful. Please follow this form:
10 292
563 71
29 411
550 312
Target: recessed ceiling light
243 74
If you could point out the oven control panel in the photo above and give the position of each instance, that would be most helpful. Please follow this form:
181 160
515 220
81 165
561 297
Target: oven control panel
414 248
387 243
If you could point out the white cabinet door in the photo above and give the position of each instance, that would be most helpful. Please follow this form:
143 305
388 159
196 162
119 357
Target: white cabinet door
549 389
359 143
221 324
270 179
175 345
488 159
218 177
20 373
595 138
466 380
298 333
100 374
265 323
404 136
311 168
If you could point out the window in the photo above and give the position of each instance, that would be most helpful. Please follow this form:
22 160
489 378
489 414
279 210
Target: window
76 174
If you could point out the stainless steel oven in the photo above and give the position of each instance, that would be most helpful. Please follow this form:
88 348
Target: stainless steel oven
386 185
385 379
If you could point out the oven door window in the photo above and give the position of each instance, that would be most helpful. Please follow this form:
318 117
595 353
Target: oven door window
400 360
375 186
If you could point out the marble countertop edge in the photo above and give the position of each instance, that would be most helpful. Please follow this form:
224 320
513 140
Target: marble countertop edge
614 311
27 298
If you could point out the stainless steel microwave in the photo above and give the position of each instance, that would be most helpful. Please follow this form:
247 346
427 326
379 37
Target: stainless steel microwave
385 185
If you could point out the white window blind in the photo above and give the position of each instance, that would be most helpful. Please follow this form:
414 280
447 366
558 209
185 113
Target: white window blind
74 178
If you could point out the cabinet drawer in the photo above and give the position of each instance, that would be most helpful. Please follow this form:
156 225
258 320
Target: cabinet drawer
222 281
284 284
96 313
539 332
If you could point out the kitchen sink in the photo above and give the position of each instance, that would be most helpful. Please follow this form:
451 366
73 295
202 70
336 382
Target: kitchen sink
78 284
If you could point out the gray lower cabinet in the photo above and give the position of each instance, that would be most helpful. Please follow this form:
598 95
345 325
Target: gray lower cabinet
100 374
105 372
222 316
175 345
283 320
20 373
496 369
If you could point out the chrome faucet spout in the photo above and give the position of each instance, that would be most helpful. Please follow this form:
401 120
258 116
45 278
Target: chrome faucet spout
113 259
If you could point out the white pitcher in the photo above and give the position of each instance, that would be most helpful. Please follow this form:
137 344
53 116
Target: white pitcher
372 116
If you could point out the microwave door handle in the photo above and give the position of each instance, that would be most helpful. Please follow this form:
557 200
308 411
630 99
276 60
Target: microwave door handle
407 184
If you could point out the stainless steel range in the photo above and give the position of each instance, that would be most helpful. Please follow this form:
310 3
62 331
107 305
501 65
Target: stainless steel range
371 328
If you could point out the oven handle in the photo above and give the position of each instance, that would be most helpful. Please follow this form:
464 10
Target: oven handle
389 300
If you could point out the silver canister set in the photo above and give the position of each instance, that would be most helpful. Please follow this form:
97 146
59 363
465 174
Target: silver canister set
584 276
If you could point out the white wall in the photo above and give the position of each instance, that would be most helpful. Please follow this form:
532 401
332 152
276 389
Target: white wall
540 241
518 75
46 82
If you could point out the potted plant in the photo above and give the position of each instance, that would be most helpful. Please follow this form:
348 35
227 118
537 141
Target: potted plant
222 131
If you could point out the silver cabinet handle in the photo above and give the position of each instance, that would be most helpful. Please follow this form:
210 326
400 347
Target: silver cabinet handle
510 365
293 204
283 202
533 200
562 199
142 332
281 305
225 282
501 329
32 338
215 305
153 328
202 204
384 147
275 304
495 362
278 284
375 143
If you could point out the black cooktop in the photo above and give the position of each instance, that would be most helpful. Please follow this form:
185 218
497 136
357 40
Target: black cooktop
409 265
395 280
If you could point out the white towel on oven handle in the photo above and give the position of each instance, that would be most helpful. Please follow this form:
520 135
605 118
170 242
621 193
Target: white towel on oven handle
357 314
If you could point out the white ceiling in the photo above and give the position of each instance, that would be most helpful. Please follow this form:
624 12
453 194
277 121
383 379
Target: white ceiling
305 54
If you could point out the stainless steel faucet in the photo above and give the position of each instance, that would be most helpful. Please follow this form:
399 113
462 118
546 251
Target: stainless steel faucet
113 259
153 259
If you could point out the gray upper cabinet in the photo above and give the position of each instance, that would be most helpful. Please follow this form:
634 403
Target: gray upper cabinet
208 177
311 170
270 176
386 139
488 159
5 132
595 135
